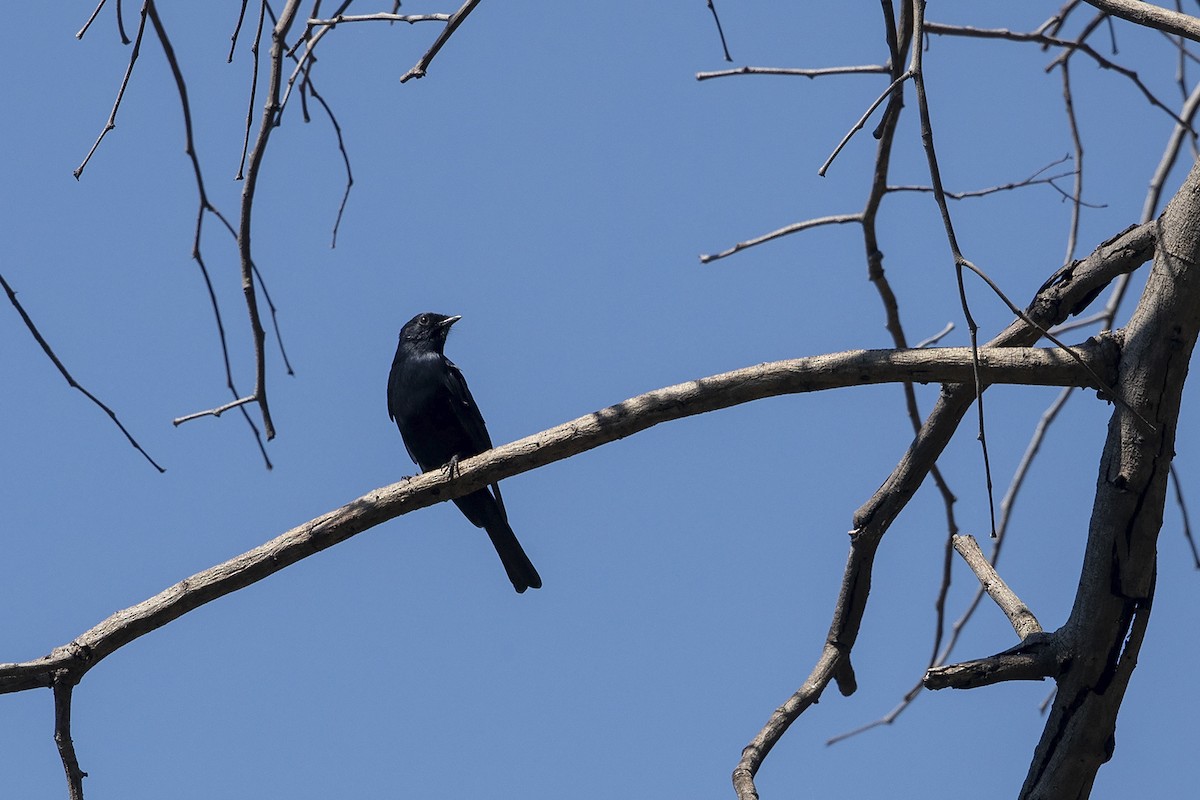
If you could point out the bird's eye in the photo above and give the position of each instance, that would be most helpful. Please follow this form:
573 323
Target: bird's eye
424 320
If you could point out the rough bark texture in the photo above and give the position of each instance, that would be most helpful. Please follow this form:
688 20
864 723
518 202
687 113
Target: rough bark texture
1099 643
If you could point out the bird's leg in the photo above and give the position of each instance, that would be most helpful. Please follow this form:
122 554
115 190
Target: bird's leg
451 467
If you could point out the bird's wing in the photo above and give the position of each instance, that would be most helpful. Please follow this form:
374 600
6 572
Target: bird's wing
465 408
469 415
393 403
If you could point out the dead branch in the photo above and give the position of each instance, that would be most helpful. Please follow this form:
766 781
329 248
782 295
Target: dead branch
817 373
37 335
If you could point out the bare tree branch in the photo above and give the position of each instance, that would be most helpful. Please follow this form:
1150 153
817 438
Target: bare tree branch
456 19
112 117
817 373
867 69
1152 16
720 30
63 686
1068 291
1116 589
12 298
1023 620
796 227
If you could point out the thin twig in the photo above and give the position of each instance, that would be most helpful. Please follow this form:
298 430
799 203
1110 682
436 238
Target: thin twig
1038 38
112 117
411 19
720 31
121 24
90 20
12 298
237 29
456 19
1170 155
214 412
937 337
337 130
795 227
866 69
1109 391
858 126
205 206
1183 512
262 15
1032 180
1077 142
960 261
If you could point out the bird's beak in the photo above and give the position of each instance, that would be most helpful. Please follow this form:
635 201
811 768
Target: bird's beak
448 321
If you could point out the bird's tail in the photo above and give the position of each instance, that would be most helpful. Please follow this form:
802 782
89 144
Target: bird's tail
486 510
518 566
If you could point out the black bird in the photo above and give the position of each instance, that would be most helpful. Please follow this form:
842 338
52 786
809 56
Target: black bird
440 424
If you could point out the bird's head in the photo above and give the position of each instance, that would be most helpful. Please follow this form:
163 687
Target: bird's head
427 330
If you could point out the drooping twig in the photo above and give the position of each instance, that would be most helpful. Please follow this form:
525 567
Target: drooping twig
1183 513
12 298
720 30
1077 143
63 686
205 206
262 15
337 130
237 29
960 262
303 66
112 117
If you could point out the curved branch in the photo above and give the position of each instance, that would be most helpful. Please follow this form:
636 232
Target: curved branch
854 368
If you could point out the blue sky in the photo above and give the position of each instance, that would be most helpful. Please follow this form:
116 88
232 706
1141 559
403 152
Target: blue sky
553 180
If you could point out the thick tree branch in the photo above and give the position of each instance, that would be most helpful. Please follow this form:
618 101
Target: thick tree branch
1067 292
1152 16
1116 586
1023 366
1034 659
63 686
